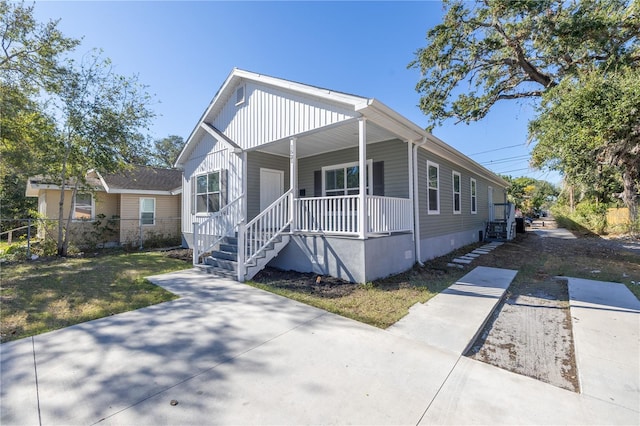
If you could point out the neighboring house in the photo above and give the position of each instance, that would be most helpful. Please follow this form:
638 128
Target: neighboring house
314 180
138 204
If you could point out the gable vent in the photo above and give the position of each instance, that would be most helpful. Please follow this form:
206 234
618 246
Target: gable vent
240 95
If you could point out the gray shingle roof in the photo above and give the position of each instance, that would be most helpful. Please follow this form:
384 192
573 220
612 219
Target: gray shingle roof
144 178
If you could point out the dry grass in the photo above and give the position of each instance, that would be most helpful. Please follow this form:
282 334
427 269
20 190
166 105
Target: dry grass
41 296
537 259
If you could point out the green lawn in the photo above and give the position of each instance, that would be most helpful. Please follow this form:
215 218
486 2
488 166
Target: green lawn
40 296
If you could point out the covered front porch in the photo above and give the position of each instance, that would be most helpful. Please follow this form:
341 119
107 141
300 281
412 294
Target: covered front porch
351 181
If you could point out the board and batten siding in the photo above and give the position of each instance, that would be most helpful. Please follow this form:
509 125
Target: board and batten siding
393 153
260 160
269 114
446 222
209 155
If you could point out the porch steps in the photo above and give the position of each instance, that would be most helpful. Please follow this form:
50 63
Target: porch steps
224 261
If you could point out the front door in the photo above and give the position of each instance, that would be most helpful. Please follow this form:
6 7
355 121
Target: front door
271 186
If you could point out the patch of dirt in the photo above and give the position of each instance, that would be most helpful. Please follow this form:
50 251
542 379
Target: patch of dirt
322 286
530 334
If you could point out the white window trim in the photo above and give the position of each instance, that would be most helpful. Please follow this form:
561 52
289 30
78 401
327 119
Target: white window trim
473 184
344 166
454 192
437 166
140 211
194 196
93 208
244 94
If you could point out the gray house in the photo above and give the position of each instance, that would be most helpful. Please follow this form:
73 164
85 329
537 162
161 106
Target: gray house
313 180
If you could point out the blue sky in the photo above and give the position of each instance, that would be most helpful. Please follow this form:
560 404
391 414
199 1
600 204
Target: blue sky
184 51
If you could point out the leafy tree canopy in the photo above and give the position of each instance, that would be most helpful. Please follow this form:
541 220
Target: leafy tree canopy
491 50
591 125
166 151
29 50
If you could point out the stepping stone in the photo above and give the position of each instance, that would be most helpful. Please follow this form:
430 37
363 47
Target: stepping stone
474 255
461 260
478 251
455 265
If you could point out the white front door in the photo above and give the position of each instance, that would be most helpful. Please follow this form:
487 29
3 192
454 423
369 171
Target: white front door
271 186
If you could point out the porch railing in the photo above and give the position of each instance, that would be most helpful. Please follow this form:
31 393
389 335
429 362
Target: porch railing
388 214
339 215
263 229
211 230
328 214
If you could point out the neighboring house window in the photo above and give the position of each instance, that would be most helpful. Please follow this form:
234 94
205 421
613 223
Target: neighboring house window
83 207
344 179
433 190
207 193
474 197
147 211
456 193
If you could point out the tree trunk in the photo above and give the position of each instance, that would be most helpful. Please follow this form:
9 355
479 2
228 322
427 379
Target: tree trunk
630 193
63 183
65 241
59 245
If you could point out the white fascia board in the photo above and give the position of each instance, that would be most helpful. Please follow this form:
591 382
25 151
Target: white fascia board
102 181
218 135
386 117
142 192
446 151
326 94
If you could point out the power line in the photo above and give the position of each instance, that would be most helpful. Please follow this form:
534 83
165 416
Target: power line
511 171
506 160
496 149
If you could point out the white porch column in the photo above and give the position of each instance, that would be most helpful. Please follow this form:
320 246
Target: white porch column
242 245
293 180
363 224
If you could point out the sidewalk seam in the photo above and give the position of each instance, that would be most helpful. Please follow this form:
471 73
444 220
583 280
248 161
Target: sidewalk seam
35 371
438 391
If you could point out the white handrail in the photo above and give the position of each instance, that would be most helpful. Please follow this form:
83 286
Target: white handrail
328 214
213 229
263 229
339 215
389 214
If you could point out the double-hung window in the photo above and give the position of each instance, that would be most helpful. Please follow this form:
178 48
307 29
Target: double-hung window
433 188
83 207
474 197
147 211
344 179
456 193
207 193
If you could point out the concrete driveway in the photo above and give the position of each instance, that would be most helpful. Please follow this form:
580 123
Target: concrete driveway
226 353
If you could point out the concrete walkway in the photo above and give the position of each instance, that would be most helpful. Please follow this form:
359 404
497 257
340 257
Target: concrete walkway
226 353
452 319
606 331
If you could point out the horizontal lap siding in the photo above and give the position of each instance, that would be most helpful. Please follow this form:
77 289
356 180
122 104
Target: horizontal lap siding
269 114
258 160
166 219
446 222
393 153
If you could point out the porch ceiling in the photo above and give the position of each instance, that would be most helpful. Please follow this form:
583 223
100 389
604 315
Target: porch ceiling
329 139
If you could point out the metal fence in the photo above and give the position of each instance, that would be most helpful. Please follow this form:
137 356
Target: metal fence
102 232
